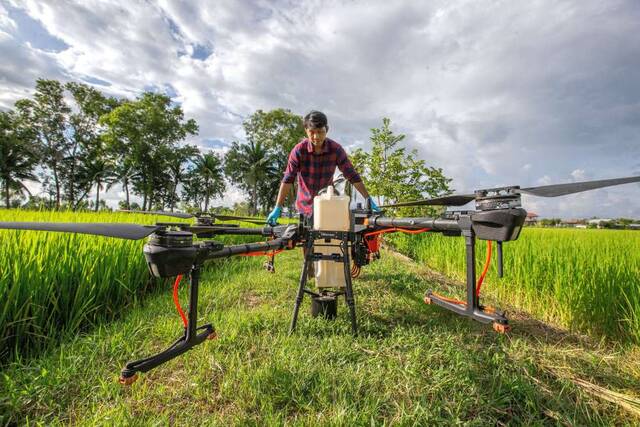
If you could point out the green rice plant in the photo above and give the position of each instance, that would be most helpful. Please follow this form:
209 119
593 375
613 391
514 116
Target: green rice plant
57 283
586 280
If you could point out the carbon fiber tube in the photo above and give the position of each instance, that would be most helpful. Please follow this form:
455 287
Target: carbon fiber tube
247 248
435 224
266 231
252 231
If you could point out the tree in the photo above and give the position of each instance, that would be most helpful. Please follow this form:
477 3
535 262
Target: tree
124 173
18 156
142 133
205 180
278 131
250 166
46 117
88 163
393 175
126 205
68 134
178 171
101 173
240 208
550 222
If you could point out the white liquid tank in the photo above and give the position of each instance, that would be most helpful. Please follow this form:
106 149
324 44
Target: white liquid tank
330 213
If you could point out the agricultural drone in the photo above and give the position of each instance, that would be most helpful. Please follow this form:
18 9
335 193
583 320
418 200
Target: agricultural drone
340 240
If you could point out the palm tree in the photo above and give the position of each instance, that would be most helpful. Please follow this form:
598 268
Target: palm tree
177 171
124 172
205 179
101 173
250 165
18 156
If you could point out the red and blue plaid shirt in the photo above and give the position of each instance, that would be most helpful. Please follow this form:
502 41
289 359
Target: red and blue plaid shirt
315 171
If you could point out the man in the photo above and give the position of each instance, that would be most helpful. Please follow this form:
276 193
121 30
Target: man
313 161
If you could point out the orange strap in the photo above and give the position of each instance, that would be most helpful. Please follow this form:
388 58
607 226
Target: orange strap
485 269
394 229
176 301
373 238
478 283
263 253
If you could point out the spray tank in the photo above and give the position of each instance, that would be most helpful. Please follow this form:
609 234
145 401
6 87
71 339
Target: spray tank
330 213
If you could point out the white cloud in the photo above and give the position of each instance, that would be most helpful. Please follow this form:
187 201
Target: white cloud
479 88
579 175
7 25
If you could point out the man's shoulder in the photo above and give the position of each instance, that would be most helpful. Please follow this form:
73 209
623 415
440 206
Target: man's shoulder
300 146
333 144
298 149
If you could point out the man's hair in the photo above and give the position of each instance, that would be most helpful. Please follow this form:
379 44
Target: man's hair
315 120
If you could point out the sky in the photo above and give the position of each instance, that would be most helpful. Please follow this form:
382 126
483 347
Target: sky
493 92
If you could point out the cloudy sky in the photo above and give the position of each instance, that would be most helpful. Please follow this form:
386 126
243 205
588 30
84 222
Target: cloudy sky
494 92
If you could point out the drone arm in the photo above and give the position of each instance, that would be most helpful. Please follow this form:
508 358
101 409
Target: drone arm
241 231
248 248
434 224
288 240
264 231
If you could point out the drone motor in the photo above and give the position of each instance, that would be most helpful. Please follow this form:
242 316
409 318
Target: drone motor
498 198
170 253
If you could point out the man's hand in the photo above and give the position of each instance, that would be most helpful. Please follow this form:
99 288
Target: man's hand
272 219
373 205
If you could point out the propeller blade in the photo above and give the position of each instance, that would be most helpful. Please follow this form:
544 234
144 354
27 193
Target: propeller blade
254 222
237 218
121 231
199 229
453 200
575 187
173 214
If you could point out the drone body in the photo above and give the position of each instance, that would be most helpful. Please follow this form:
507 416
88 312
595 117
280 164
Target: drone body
171 250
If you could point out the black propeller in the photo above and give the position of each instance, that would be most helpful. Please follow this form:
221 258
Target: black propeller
453 200
173 214
121 231
239 218
575 187
253 222
188 215
554 190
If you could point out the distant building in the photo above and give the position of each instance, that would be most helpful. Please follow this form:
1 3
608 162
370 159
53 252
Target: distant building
573 223
633 226
531 219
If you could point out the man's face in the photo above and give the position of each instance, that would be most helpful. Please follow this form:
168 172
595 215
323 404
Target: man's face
317 136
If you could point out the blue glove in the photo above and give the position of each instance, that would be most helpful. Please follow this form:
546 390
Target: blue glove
272 219
373 205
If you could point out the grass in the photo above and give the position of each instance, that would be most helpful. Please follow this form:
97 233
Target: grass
52 283
411 364
585 280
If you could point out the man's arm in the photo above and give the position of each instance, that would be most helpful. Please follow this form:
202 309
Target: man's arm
349 172
285 189
361 189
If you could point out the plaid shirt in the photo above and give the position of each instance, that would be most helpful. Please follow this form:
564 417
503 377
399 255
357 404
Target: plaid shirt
315 171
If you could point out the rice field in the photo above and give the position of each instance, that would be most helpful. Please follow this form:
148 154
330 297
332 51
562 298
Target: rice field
585 280
412 364
52 284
